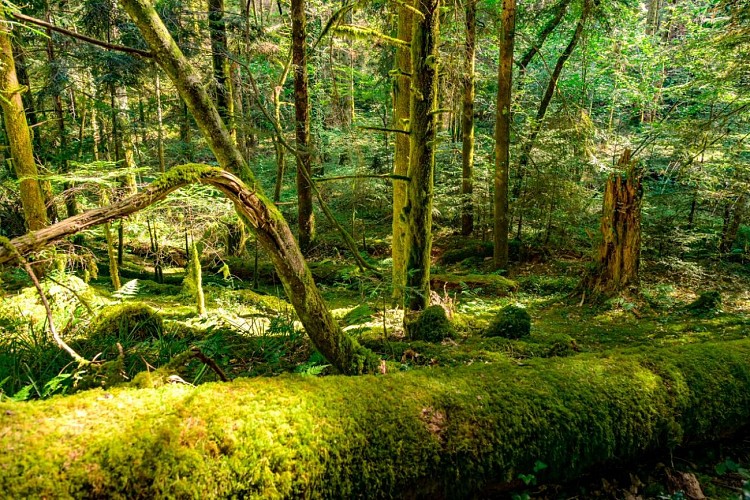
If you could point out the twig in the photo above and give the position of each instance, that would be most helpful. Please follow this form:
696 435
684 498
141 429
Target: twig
73 34
197 353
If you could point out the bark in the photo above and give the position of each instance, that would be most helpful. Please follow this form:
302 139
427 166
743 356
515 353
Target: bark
620 249
159 126
306 218
467 121
19 136
218 33
423 125
502 134
401 155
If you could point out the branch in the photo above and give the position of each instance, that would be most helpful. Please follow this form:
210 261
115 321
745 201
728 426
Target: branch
88 39
197 353
385 129
395 177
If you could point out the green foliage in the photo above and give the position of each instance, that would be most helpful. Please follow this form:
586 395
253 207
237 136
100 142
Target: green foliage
511 322
432 325
360 314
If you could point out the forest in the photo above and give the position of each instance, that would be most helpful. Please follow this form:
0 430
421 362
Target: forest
375 249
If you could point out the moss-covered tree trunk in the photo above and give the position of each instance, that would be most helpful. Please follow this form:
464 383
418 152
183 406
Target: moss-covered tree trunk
502 134
305 216
194 280
217 30
732 225
467 121
401 95
159 126
433 433
19 136
272 230
423 122
619 252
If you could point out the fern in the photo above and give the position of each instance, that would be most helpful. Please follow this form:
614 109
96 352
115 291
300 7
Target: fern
126 291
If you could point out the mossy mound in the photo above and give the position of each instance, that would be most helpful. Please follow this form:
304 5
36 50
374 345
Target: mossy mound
511 322
136 321
432 325
486 283
437 433
265 303
707 302
472 250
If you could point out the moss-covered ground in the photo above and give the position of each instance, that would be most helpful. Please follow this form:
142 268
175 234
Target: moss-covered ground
253 332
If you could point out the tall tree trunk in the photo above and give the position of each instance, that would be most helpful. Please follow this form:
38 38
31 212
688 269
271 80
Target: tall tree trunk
123 137
71 204
502 134
219 51
271 229
422 144
305 218
620 249
160 126
19 137
732 225
467 121
401 95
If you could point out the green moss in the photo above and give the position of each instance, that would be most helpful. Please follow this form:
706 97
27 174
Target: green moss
136 321
707 302
193 283
432 325
472 250
184 174
487 283
511 322
422 433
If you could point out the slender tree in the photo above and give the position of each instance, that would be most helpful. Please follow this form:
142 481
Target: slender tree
502 133
305 217
423 123
467 120
401 95
19 137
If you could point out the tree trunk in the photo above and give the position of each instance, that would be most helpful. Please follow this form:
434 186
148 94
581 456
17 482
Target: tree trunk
732 226
306 218
19 136
620 249
467 121
159 126
271 229
426 433
219 51
502 134
423 123
401 95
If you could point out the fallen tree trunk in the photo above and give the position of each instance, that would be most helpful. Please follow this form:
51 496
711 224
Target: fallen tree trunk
425 433
340 350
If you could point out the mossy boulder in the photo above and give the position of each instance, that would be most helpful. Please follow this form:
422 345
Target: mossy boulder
512 322
707 302
472 250
432 325
136 321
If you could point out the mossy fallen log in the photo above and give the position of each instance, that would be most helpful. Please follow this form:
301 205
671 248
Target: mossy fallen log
424 433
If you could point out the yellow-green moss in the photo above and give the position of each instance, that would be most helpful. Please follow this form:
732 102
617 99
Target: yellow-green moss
423 433
184 174
133 320
487 283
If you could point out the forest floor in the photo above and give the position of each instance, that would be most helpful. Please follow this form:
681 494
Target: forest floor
254 333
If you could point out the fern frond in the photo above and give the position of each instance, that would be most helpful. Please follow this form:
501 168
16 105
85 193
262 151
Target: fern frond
129 289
